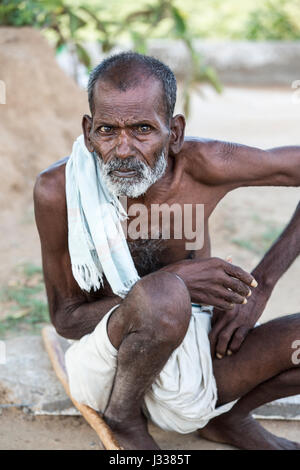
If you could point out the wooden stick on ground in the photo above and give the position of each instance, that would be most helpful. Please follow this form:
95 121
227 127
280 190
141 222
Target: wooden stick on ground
56 355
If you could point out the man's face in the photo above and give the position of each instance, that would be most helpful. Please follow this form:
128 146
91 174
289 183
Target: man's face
130 135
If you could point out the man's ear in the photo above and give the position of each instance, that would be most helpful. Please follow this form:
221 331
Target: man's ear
177 133
86 127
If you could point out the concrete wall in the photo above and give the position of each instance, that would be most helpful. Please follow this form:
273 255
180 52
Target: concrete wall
243 63
237 62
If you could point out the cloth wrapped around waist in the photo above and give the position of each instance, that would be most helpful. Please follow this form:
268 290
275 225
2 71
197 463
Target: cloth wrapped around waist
183 398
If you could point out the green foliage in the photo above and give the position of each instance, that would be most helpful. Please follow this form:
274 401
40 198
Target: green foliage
23 302
74 22
274 20
21 13
68 22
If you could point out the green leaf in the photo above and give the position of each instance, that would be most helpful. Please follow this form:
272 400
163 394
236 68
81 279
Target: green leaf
211 76
180 24
101 25
60 47
142 15
107 45
83 55
75 22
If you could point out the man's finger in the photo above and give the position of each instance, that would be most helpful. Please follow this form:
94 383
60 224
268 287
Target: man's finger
216 315
239 273
219 324
218 302
232 297
223 340
238 338
237 286
213 335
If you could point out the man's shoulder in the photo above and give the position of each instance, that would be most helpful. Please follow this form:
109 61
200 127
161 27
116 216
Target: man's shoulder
49 188
201 147
202 156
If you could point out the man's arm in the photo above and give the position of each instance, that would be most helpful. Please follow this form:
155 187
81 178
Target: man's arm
233 165
71 313
226 335
281 254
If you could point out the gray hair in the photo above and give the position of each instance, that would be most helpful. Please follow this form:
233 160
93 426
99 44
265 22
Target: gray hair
128 69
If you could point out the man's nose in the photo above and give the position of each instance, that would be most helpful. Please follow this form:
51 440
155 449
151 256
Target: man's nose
123 147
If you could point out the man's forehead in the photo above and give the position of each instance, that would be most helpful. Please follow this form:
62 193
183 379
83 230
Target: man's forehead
143 98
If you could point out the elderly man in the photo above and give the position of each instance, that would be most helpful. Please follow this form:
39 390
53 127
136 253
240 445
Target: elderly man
159 330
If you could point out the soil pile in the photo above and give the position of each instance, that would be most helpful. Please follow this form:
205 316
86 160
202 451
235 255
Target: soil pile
42 114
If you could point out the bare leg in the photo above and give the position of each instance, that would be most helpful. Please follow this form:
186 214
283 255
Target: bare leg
266 352
150 323
238 428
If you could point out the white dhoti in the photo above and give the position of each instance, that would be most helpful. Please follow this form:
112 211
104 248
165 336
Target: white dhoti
183 397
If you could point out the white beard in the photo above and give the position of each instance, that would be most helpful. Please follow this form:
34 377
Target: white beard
137 185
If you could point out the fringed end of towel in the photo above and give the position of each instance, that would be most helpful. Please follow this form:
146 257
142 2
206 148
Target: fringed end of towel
87 277
120 211
127 286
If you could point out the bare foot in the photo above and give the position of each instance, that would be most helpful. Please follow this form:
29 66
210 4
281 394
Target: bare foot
244 433
132 435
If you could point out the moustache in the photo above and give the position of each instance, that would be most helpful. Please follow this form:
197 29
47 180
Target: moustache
130 163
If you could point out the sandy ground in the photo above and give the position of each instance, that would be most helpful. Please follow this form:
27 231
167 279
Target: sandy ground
259 117
28 432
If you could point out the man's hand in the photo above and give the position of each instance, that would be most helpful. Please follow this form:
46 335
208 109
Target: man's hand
213 281
230 328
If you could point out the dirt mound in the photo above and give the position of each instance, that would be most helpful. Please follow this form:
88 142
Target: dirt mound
42 114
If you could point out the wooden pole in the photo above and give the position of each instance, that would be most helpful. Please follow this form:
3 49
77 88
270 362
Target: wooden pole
56 355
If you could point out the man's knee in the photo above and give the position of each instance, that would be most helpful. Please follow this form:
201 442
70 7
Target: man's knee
159 305
162 291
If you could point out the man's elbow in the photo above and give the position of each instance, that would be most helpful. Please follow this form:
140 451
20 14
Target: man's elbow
61 330
62 321
290 178
284 176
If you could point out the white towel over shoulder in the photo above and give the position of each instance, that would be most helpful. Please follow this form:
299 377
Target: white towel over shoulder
96 239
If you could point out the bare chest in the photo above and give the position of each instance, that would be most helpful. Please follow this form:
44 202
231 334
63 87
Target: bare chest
162 234
168 230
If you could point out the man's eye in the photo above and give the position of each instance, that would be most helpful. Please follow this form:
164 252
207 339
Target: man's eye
105 129
143 128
